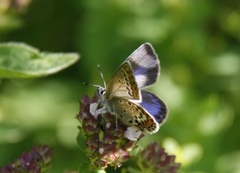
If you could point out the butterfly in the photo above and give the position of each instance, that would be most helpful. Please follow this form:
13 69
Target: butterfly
126 96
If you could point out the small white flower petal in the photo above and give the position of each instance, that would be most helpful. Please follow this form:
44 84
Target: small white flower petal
100 150
93 110
108 125
132 133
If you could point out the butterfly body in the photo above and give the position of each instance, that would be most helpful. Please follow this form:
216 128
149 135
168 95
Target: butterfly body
125 94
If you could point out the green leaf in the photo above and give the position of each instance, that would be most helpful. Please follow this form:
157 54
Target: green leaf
81 142
18 60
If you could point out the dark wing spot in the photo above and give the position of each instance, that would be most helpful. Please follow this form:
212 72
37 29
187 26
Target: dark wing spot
129 103
119 81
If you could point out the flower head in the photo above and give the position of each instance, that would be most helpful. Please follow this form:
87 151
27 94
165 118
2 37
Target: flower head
154 159
37 160
105 140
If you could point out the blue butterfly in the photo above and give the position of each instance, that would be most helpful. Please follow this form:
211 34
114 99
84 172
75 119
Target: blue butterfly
125 94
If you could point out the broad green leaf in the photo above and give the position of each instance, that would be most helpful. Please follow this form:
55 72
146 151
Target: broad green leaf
18 60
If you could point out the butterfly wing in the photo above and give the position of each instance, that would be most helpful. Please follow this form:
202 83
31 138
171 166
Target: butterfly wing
145 65
147 115
123 84
133 106
139 70
154 106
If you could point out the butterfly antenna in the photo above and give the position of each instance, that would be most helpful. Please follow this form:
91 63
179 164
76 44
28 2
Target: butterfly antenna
85 83
101 74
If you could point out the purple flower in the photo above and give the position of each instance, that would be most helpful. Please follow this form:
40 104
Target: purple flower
154 159
105 141
37 160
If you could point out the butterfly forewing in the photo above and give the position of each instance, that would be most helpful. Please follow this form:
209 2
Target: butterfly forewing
145 65
123 84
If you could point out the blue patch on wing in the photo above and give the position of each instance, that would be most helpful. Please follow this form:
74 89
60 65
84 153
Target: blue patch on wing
154 106
145 65
145 76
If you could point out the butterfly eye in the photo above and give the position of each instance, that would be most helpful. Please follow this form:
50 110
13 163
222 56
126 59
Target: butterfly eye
101 91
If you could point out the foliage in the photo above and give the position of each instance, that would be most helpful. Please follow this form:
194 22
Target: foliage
21 61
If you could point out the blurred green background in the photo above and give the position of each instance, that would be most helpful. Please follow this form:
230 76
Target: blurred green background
198 43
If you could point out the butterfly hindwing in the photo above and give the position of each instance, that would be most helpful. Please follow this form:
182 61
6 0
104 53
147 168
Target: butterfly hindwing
154 106
133 114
